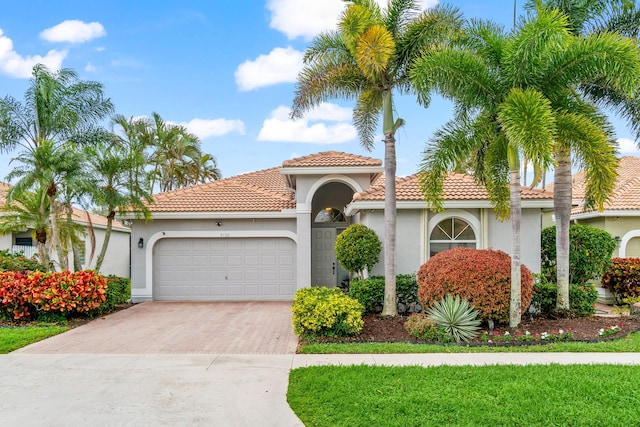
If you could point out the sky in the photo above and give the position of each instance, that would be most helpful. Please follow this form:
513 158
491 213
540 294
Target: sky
224 69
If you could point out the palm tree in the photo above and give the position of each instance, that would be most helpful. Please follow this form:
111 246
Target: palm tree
368 59
47 167
28 210
513 97
110 167
203 168
58 107
588 20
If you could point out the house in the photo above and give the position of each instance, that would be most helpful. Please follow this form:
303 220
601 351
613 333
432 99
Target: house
263 235
621 214
116 260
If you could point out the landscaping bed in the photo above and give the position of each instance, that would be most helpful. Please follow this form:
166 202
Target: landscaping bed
391 329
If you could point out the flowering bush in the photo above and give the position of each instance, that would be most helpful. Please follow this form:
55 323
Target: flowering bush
320 311
483 277
607 331
24 293
623 278
420 326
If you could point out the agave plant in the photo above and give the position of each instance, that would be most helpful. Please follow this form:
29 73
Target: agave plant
456 318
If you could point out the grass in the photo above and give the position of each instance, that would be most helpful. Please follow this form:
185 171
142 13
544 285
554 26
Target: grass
536 395
13 338
629 343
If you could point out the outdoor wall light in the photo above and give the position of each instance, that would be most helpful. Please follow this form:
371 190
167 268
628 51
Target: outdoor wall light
219 223
618 240
141 243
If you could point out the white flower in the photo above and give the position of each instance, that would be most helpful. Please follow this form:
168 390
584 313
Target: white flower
527 333
506 333
561 332
601 332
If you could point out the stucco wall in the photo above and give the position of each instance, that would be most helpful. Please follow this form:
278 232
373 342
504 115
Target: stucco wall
408 241
145 230
530 227
116 260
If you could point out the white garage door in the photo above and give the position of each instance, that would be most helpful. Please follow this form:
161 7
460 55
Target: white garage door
234 269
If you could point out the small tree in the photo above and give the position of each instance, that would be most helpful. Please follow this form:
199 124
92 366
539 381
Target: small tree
590 251
358 249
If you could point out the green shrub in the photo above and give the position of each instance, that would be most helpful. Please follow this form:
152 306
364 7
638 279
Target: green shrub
370 293
118 292
357 248
420 326
456 318
581 298
321 311
483 277
623 278
18 262
590 251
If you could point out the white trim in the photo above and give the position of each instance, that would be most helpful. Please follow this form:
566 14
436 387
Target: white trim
450 204
596 214
347 180
334 170
454 213
622 252
147 292
286 213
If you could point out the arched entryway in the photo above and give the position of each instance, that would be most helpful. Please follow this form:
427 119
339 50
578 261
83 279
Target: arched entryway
327 221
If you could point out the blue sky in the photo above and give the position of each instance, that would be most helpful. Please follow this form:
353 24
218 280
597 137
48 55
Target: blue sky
224 69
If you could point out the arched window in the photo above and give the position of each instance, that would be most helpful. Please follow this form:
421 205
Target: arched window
329 215
451 233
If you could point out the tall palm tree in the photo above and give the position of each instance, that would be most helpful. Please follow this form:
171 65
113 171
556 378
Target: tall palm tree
58 107
514 99
367 60
588 19
109 165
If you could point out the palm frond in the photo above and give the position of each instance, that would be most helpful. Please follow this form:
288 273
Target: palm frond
366 116
374 48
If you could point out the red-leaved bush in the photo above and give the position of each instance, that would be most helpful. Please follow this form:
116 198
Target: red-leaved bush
623 278
23 293
483 277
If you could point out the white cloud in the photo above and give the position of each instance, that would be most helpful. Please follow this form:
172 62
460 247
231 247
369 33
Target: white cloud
306 19
281 65
628 147
16 65
90 68
204 128
280 128
73 31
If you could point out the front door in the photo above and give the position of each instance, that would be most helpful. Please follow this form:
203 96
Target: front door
323 256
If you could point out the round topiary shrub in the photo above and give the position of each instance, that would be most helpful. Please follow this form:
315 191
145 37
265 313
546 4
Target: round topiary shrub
590 251
483 277
357 248
325 312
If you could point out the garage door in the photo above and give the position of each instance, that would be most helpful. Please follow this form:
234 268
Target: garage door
249 269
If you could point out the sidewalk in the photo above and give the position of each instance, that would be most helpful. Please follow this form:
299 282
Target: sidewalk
195 389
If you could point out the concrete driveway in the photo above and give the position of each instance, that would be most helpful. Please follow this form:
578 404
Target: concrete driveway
181 328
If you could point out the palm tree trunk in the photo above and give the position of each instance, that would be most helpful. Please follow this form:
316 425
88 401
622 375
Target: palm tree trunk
390 307
562 209
515 306
41 238
105 244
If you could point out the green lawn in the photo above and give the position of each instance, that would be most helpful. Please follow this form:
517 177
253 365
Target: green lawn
537 395
630 343
14 338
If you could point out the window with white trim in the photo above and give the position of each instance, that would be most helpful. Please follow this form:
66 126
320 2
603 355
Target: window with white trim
451 233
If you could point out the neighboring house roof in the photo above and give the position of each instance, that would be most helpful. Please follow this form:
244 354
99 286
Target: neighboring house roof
270 190
626 193
78 215
456 187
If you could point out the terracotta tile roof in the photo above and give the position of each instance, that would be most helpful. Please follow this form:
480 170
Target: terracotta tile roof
626 194
78 215
456 187
331 159
260 191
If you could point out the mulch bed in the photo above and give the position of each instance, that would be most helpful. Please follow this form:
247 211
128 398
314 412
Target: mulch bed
391 329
